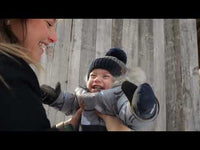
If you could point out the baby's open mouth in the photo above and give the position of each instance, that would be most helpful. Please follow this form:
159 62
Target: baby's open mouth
97 87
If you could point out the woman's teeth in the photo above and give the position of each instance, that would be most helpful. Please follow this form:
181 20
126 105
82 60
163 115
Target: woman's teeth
43 46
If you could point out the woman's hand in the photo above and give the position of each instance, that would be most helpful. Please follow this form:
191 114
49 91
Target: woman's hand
74 121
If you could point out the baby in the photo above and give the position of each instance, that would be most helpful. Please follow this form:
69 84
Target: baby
108 92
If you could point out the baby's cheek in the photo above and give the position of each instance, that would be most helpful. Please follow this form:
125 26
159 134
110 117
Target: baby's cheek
108 86
89 87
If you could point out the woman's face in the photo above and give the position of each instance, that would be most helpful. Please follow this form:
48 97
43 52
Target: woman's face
99 79
40 33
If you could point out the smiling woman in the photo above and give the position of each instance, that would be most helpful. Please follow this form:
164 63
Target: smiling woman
35 42
22 42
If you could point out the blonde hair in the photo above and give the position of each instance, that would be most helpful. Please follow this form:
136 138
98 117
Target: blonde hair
16 50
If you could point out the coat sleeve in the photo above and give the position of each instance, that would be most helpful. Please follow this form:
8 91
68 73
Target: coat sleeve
66 103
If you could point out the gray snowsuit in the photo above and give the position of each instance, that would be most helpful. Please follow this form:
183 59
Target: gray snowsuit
111 102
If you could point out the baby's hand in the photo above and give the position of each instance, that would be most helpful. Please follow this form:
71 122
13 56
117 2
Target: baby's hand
86 99
49 94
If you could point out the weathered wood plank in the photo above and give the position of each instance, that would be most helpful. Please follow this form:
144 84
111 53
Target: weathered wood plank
117 26
130 41
145 53
88 47
182 87
104 32
173 88
159 73
189 64
74 56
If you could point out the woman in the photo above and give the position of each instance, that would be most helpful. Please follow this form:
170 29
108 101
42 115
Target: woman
22 42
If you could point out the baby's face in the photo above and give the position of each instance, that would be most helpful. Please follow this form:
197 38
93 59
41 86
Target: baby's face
99 79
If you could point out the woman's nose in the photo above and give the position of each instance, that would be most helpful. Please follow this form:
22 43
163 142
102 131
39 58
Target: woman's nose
53 36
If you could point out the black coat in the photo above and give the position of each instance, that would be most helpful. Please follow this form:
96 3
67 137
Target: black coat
20 107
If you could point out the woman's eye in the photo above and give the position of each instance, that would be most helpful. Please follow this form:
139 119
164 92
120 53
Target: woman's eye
49 24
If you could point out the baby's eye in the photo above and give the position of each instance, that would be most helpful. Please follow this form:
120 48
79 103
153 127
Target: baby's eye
92 75
106 76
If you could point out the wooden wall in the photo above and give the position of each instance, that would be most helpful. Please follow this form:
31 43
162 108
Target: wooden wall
166 49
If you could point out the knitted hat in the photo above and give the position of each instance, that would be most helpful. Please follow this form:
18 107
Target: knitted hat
114 61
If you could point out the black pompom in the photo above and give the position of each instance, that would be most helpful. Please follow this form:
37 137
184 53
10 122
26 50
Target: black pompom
118 53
